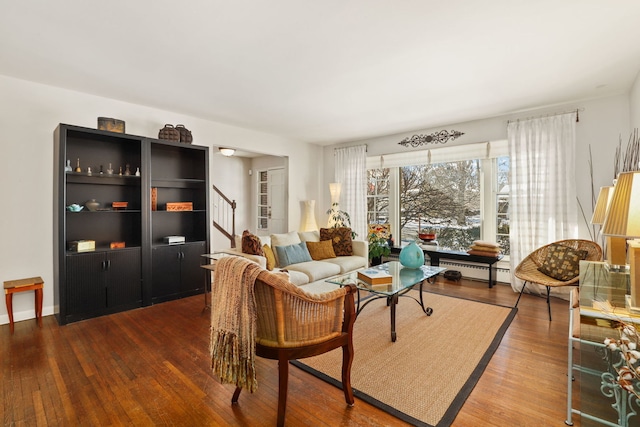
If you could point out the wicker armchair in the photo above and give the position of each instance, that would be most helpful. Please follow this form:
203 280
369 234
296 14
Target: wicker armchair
293 324
528 271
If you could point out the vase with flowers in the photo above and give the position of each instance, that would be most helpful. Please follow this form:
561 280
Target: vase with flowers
378 247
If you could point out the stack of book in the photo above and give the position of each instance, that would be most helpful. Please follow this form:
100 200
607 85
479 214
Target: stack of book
374 276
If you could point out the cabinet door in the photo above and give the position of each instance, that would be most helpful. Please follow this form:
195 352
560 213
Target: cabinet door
165 266
86 292
192 275
124 285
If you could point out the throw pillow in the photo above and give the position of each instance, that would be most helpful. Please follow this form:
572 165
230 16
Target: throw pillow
251 244
284 239
292 254
271 258
562 262
321 250
340 238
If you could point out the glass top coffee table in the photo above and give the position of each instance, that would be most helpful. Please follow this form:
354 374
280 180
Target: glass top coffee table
402 281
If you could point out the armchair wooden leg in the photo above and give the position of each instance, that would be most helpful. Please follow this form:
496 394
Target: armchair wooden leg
347 359
236 395
283 384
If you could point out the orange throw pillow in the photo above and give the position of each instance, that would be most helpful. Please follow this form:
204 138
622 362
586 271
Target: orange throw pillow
271 258
321 250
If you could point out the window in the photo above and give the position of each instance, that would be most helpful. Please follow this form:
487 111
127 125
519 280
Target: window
444 199
378 196
462 196
502 203
263 200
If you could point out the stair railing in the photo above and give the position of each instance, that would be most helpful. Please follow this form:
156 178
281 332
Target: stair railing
224 215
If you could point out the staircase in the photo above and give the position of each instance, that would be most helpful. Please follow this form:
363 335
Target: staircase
224 215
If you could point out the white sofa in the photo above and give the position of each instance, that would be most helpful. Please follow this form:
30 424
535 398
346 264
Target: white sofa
309 275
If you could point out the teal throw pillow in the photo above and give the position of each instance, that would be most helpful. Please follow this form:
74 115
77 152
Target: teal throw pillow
292 254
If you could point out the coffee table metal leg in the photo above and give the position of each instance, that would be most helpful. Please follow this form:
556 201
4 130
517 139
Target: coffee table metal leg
427 310
394 302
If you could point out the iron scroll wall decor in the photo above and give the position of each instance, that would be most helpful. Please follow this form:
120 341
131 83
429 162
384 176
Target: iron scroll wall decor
441 137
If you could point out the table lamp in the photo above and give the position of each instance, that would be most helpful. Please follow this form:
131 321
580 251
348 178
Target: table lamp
615 246
622 221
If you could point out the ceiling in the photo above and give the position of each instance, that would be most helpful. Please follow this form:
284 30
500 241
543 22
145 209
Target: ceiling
328 71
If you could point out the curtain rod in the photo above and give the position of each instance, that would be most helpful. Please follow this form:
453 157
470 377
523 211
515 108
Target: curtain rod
577 111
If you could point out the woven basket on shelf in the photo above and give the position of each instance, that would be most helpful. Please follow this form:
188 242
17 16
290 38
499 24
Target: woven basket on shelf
169 133
185 134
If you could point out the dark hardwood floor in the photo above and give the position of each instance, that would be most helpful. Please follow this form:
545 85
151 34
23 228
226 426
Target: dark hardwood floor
151 367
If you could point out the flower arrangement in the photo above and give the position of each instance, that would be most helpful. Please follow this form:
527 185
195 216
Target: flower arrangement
378 246
628 371
379 240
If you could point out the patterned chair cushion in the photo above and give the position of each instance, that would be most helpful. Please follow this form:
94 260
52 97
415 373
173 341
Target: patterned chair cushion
340 238
562 262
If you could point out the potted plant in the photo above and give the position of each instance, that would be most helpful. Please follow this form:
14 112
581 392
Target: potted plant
427 234
339 218
378 247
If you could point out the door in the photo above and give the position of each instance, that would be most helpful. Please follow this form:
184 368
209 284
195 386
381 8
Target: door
165 262
192 276
124 287
276 202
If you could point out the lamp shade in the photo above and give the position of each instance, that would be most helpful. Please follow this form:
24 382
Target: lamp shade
334 190
623 216
308 216
604 198
228 152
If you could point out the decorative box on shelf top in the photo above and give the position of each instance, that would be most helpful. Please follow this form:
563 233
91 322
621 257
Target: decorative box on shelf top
179 206
119 205
81 245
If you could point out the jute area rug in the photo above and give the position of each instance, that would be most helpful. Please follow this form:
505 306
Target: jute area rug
427 374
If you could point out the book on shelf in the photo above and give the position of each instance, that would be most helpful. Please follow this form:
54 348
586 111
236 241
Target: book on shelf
374 276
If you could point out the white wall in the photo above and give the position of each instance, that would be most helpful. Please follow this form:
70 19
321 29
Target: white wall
634 104
30 112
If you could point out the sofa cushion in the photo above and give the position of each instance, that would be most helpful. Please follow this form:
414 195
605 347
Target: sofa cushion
348 263
321 250
309 236
292 254
297 277
562 262
284 239
271 258
251 244
316 270
341 239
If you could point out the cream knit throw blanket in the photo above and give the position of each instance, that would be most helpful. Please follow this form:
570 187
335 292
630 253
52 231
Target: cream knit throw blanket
233 322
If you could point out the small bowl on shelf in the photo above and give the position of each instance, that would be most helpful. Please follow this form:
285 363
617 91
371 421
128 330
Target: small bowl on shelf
427 237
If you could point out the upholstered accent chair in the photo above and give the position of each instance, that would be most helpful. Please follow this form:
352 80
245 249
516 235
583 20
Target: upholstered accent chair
294 324
558 259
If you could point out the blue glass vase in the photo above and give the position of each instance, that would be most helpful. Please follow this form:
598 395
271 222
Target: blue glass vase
411 256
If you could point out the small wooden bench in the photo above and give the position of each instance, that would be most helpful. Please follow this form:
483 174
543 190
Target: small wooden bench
22 285
435 255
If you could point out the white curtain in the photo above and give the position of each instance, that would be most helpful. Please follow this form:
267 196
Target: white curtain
543 189
351 172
